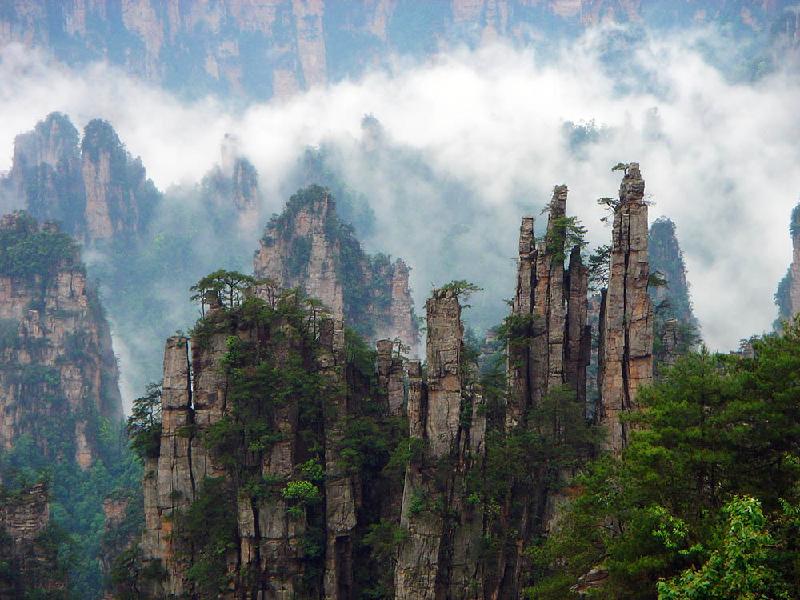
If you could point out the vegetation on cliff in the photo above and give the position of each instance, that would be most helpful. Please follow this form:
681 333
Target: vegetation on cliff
704 502
277 397
26 251
60 403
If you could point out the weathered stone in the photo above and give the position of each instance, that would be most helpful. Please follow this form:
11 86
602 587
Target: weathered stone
439 558
578 346
627 328
30 565
549 348
340 506
308 247
519 357
50 314
97 191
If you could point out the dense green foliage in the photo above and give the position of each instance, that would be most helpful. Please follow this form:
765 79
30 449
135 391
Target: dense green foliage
77 494
741 565
599 268
46 442
27 251
271 371
563 233
715 429
264 379
144 423
209 525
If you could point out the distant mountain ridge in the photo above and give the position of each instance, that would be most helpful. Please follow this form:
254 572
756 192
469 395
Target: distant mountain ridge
261 49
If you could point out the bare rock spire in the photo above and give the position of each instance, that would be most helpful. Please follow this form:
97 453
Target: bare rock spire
627 327
439 557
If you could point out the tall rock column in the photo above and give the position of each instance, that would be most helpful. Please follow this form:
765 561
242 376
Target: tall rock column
519 362
391 375
547 345
308 247
579 335
439 557
627 330
170 486
340 495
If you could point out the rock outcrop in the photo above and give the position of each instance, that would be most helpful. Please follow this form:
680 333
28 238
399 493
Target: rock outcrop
308 247
30 562
273 445
58 363
549 342
259 422
447 425
234 184
97 191
626 329
548 351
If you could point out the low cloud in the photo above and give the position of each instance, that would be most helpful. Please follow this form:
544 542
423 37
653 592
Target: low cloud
473 139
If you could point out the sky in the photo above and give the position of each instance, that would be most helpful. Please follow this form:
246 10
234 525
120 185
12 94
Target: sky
472 140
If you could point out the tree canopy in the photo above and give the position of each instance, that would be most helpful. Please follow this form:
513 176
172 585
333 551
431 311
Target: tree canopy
704 502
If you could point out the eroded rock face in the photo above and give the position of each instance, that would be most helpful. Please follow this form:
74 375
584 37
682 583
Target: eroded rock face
268 542
439 557
97 191
31 564
56 348
308 247
676 328
548 349
627 313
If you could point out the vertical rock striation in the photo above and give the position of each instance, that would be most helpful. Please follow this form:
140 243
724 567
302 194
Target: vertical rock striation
627 324
548 349
439 557
259 423
578 332
97 191
58 363
30 563
340 486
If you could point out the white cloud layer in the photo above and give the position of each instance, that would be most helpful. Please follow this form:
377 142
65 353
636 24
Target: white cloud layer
721 159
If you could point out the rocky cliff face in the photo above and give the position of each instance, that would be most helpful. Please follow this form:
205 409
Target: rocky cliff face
60 410
291 461
548 352
232 186
626 314
272 474
280 466
97 191
447 425
30 559
308 247
275 48
549 343
58 364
